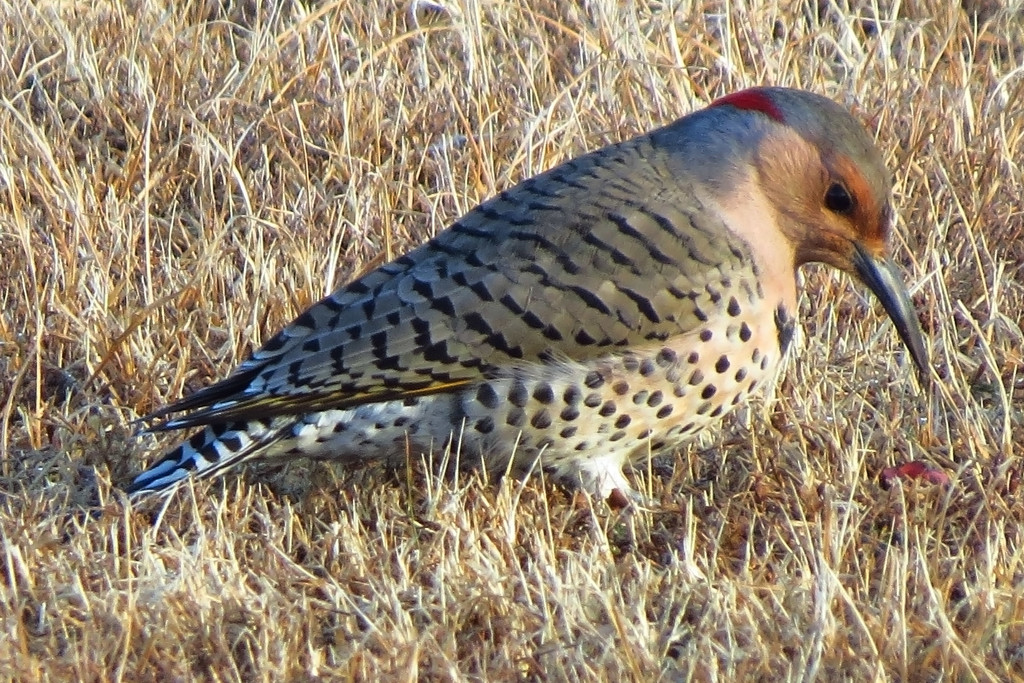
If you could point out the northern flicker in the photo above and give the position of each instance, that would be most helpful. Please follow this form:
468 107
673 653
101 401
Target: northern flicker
609 308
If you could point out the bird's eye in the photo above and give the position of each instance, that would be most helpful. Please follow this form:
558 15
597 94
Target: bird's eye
838 199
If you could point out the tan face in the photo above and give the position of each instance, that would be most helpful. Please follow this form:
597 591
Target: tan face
833 213
826 202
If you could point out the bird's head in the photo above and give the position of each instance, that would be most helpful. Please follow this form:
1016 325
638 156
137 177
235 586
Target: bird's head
823 174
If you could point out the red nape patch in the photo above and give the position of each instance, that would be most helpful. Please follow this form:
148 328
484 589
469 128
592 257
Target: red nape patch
751 99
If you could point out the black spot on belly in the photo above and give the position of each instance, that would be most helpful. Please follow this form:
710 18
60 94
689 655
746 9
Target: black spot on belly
544 393
734 307
487 396
666 357
516 417
541 420
518 395
785 326
569 413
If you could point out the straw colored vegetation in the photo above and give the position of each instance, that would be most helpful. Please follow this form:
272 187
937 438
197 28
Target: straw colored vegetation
177 180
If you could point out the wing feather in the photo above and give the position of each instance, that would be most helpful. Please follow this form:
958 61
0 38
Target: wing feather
599 253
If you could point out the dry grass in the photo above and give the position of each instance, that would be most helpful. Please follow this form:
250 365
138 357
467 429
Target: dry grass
179 179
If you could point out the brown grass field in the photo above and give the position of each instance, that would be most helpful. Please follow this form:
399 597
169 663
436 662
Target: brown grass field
178 180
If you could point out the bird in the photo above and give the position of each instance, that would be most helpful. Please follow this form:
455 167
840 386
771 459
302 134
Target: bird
605 310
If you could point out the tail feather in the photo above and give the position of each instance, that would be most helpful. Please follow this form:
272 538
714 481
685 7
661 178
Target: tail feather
207 453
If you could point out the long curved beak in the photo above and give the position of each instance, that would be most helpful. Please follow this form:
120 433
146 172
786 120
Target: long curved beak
881 278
